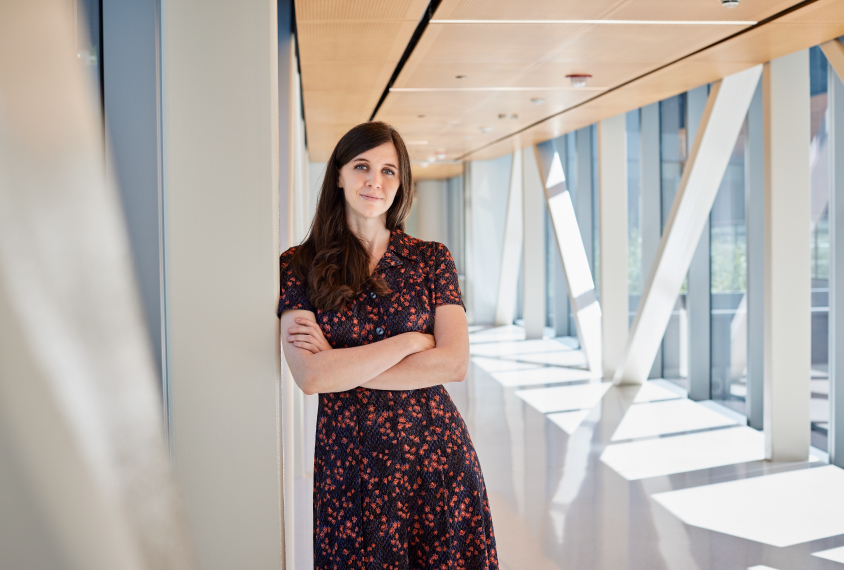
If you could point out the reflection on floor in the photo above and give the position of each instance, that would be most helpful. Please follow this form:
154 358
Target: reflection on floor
584 475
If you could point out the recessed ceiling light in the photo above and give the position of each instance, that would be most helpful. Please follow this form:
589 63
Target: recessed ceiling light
486 130
460 76
578 80
423 164
729 3
537 100
440 155
421 116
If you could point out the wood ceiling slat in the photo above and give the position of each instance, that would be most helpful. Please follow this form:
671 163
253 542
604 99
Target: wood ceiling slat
336 42
436 171
348 51
608 9
818 22
372 10
523 55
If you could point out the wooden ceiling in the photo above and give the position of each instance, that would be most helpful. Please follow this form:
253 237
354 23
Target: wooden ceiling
347 59
348 50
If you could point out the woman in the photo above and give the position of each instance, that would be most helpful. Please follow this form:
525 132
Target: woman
373 322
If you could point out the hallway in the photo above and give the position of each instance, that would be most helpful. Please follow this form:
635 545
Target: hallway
585 475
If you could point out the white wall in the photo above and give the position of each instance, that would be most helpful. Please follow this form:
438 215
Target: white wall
220 88
316 172
432 203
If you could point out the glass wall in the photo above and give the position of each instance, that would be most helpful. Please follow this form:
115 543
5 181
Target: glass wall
819 165
673 154
728 284
570 151
634 234
728 241
596 240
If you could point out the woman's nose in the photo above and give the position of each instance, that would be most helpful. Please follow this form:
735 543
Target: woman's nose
375 180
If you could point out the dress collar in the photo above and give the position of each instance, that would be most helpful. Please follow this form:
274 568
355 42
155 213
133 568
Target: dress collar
402 247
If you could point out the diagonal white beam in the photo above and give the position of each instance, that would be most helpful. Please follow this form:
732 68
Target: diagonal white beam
511 254
834 52
581 287
729 100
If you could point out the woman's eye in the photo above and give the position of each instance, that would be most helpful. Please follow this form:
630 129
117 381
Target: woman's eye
387 171
360 166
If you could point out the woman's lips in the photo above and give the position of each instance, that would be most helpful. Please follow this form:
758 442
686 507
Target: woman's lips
370 198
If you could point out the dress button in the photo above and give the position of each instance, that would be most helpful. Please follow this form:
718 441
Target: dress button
379 331
373 295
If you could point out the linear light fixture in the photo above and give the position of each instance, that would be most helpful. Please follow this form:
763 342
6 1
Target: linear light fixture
608 22
452 89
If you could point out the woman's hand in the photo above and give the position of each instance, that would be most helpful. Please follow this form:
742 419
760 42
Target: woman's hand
421 342
308 335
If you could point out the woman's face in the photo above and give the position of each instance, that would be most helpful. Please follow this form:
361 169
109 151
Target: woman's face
370 182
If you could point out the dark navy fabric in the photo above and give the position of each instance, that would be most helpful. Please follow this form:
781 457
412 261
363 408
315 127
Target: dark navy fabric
397 484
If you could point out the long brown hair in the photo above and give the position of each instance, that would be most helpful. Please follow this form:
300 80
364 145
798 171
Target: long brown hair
332 262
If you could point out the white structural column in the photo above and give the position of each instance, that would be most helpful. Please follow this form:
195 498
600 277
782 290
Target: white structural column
533 309
220 137
723 117
612 173
578 276
834 52
787 264
511 252
431 202
84 474
486 186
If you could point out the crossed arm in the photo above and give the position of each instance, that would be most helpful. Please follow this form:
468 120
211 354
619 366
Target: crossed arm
407 361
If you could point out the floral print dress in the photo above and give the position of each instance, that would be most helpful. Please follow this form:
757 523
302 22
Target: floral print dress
397 484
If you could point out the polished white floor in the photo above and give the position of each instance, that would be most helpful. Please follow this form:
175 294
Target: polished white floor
585 475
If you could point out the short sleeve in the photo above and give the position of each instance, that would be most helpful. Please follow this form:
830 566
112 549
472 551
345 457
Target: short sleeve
445 282
292 294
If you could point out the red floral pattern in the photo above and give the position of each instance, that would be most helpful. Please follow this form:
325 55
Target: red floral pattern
397 484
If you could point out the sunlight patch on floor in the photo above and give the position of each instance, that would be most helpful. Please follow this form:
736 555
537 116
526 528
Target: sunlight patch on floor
569 421
834 554
545 375
565 398
516 348
781 510
667 417
682 453
496 365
